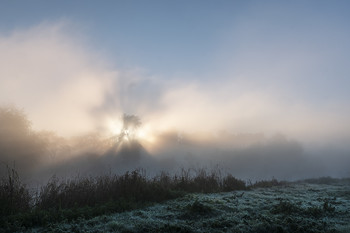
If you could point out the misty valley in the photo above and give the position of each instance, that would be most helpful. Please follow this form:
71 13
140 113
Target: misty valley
131 181
175 116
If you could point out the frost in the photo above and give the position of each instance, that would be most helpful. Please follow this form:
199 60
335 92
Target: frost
292 208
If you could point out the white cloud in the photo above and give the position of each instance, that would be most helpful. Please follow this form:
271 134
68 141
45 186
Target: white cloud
61 84
56 79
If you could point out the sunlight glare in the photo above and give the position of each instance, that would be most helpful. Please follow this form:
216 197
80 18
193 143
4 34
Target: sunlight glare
114 126
144 134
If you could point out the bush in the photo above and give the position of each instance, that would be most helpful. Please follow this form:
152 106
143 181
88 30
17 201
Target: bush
230 183
14 196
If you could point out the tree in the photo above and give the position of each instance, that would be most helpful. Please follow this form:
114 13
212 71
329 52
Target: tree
130 125
19 144
13 123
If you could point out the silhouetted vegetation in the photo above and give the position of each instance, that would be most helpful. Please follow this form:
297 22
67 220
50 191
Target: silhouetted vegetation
86 197
268 183
230 183
18 142
14 196
72 200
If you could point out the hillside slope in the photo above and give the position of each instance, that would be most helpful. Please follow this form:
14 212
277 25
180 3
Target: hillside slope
292 208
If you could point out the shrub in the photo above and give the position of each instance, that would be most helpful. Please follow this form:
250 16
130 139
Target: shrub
14 196
230 183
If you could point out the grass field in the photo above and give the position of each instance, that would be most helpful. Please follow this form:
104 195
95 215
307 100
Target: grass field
297 207
194 200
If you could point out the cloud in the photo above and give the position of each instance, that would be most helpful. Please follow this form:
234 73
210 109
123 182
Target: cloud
66 86
63 85
56 79
227 105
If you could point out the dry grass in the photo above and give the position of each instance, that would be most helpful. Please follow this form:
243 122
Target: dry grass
91 196
14 196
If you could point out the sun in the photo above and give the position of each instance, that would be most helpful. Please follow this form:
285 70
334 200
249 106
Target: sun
129 128
114 127
144 134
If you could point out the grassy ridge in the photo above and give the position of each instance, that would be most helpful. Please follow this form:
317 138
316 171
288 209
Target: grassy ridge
72 201
86 197
296 207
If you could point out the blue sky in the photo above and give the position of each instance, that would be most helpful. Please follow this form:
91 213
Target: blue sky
160 36
197 37
294 53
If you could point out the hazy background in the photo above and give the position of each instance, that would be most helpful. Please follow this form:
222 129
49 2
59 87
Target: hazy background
257 88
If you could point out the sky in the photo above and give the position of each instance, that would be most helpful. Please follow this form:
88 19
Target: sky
194 67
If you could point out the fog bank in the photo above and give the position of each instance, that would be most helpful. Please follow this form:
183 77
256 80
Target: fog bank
73 99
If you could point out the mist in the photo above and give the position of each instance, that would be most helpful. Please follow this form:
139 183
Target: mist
62 104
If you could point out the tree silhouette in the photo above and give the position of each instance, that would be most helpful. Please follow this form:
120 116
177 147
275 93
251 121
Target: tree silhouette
19 144
13 123
130 125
